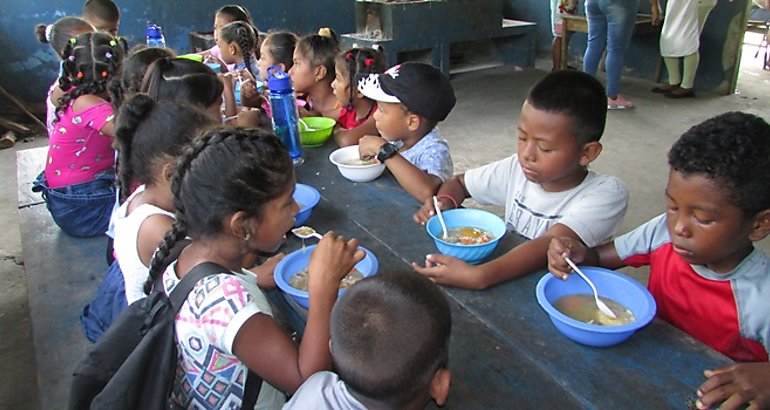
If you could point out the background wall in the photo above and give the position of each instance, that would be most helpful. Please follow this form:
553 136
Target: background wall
27 68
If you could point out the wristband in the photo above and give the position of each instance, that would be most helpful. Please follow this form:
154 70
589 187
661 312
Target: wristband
454 202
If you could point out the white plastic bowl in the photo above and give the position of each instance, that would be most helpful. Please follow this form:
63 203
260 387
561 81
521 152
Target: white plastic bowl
355 173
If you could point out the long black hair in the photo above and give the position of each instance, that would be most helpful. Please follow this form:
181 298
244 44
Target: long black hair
180 79
225 171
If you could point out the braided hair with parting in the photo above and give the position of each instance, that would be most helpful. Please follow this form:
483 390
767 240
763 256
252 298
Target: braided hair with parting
244 35
89 61
360 63
227 170
149 134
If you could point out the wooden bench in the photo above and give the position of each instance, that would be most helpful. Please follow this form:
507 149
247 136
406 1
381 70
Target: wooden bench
62 275
513 40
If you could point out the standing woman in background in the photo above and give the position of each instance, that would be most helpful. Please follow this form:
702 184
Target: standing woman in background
679 42
611 24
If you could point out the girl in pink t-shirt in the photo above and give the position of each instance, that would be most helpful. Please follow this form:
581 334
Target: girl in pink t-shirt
78 180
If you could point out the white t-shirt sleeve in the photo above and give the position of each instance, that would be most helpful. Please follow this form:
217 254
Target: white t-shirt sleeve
490 184
596 213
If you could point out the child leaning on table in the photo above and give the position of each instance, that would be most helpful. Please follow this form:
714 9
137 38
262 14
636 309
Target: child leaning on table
411 99
705 274
546 187
377 367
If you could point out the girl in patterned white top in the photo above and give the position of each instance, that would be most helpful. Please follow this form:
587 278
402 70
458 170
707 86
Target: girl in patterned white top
233 198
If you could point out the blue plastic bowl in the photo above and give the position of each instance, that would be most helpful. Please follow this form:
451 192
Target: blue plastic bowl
611 284
307 197
298 260
456 218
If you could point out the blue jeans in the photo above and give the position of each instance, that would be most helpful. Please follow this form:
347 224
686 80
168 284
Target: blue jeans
109 302
81 210
610 24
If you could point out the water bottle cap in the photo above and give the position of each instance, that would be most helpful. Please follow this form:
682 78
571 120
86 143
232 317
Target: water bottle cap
153 31
277 79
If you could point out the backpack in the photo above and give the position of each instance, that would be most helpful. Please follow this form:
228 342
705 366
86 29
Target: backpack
133 364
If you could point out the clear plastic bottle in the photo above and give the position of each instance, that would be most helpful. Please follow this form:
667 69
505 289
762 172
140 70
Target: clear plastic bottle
155 35
283 106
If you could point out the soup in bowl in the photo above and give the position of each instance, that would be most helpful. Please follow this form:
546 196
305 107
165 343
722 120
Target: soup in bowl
473 233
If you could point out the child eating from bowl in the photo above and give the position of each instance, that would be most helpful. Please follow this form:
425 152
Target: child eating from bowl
376 366
705 274
411 99
546 187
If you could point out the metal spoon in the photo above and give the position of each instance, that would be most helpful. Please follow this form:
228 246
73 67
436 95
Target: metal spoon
440 217
599 303
306 232
305 127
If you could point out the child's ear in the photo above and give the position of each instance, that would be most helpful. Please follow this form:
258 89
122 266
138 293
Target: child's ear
413 122
233 48
320 72
168 172
238 225
439 386
590 152
761 226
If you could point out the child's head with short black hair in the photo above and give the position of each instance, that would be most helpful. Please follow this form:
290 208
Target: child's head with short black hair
733 150
718 191
61 31
576 95
104 15
371 354
183 80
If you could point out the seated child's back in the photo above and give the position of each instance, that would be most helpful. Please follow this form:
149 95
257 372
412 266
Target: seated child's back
377 367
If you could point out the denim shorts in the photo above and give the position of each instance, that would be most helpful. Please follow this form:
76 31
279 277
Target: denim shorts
109 302
81 210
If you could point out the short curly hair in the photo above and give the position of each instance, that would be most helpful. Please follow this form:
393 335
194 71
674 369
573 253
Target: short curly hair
732 149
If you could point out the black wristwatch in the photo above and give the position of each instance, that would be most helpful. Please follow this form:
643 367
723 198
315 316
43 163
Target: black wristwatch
387 151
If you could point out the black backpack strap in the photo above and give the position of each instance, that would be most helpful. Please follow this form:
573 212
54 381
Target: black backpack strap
177 297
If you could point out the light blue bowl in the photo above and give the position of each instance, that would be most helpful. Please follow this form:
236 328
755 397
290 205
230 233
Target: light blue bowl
610 284
298 260
456 218
307 197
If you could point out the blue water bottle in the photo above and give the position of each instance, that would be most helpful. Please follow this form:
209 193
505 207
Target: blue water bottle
155 36
283 105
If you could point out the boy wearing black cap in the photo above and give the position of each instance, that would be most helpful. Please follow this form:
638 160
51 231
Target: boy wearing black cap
412 98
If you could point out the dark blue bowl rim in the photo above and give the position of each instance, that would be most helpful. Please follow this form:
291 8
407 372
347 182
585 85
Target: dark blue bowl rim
436 238
639 323
315 196
289 290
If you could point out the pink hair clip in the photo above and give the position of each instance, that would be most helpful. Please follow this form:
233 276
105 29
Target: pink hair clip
348 56
369 62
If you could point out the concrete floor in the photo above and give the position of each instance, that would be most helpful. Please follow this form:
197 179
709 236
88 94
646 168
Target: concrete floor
481 129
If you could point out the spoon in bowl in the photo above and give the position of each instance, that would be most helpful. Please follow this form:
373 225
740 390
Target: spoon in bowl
599 303
440 217
305 127
306 232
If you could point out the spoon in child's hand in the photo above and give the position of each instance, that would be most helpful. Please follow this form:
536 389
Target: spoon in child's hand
306 232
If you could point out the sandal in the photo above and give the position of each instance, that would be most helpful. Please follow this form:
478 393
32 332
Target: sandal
680 93
619 103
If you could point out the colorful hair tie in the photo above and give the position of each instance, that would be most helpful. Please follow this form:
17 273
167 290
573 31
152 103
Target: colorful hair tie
348 56
113 43
104 73
80 74
73 41
369 62
108 55
71 58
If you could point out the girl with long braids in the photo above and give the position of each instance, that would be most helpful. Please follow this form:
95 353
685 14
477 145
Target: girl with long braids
78 182
233 198
237 43
356 119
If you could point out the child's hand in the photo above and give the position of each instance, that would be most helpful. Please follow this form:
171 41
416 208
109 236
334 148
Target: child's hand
265 271
448 270
250 97
427 210
212 59
249 118
735 386
369 146
332 259
228 81
558 248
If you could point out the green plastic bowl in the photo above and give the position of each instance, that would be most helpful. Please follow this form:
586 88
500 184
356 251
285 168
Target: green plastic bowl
322 129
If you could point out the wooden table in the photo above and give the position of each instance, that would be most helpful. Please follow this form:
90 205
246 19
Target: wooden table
578 24
504 350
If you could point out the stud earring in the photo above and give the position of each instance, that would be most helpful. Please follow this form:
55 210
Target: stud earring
247 237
